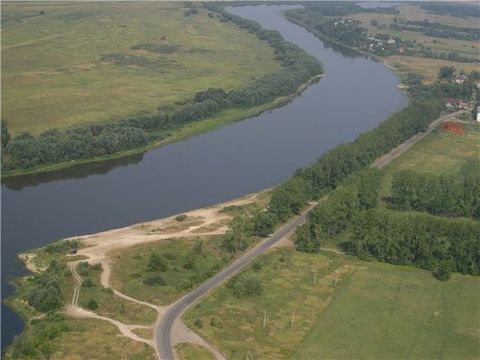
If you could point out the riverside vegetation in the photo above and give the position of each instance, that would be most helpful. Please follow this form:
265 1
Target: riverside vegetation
26 151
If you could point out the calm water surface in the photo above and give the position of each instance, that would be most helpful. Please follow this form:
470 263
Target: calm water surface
354 96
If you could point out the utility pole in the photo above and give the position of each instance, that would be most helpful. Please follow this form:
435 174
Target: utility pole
293 318
315 277
265 319
336 279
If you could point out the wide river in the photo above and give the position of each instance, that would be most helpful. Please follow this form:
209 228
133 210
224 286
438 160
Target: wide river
355 95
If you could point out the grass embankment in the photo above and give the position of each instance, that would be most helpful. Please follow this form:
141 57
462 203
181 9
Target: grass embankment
371 310
96 62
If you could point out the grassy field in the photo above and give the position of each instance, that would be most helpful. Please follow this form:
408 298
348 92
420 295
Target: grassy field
372 311
79 62
130 269
193 352
113 306
393 312
443 152
428 68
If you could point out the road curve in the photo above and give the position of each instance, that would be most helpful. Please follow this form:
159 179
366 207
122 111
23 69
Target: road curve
163 328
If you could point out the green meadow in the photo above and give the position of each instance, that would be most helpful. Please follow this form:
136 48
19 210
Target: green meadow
67 64
368 311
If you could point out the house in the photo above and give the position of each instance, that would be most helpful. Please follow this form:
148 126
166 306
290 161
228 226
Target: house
460 79
462 105
391 41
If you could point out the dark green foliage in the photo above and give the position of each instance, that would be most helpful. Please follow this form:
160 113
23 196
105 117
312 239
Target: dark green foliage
368 188
62 246
446 195
246 286
158 48
91 304
419 239
154 280
156 263
198 247
5 134
327 219
446 72
36 343
83 268
257 266
25 150
441 272
289 198
45 294
181 217
198 323
444 8
264 223
88 283
189 262
239 234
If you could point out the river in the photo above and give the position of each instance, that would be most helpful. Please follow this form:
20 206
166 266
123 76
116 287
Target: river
355 95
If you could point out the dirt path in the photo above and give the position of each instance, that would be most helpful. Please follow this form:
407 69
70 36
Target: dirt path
400 149
206 221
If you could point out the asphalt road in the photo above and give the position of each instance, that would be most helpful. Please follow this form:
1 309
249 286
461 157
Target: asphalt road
163 331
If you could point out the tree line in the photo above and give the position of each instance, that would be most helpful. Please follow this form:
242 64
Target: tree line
445 195
430 242
85 141
335 166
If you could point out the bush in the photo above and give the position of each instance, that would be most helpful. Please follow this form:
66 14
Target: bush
83 268
46 294
247 286
155 280
198 323
180 218
156 263
88 283
91 304
441 272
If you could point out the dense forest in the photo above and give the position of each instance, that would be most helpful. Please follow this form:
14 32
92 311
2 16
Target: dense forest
26 151
445 195
430 242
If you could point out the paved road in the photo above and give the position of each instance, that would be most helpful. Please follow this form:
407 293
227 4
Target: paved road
400 149
163 329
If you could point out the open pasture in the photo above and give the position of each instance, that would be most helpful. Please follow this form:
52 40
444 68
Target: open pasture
70 63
